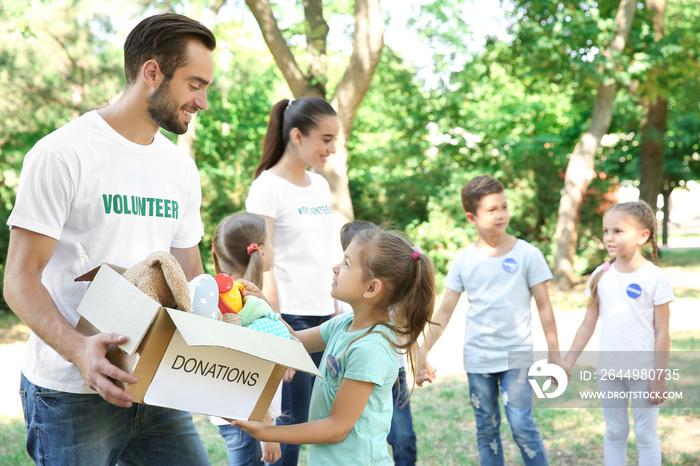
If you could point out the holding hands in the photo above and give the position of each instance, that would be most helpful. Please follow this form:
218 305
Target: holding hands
426 374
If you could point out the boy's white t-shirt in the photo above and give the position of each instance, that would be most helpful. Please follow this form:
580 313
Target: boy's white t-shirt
499 318
626 307
302 240
105 199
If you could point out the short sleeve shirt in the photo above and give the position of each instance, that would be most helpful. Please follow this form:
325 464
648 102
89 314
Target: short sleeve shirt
499 318
303 239
104 199
626 306
370 358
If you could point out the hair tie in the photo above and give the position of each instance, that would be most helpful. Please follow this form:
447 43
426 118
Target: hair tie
291 101
416 252
605 266
252 247
212 249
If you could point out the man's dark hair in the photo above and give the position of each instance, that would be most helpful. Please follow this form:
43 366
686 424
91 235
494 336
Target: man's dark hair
163 38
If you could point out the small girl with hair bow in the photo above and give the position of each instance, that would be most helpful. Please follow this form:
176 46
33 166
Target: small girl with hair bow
242 248
351 406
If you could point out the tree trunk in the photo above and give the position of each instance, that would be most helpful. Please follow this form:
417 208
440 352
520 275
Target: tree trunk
367 48
297 82
579 171
316 34
651 162
666 191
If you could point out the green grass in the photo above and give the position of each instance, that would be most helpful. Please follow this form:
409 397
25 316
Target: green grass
12 438
680 258
446 430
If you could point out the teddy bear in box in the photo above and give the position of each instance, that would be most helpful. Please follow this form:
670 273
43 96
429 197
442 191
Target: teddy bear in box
161 277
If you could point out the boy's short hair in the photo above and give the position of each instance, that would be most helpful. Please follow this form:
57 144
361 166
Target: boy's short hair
350 229
476 189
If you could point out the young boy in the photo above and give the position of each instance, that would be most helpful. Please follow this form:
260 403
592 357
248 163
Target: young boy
500 274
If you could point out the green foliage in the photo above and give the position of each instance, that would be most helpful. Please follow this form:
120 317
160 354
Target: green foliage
230 133
665 68
513 109
390 177
495 118
56 62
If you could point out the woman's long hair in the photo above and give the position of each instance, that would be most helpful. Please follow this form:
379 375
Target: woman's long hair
286 115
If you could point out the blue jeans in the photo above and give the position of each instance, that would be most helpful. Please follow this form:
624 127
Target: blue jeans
84 429
296 395
242 448
515 388
401 437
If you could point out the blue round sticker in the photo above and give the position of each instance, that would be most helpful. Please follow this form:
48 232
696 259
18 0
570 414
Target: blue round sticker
509 265
332 365
634 291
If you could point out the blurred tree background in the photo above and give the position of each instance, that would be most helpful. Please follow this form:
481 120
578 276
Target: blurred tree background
514 104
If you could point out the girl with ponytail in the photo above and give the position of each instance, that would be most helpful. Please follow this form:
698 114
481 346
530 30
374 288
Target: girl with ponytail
242 248
390 285
631 296
296 205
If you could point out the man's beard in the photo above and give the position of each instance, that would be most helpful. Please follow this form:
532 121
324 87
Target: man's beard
164 109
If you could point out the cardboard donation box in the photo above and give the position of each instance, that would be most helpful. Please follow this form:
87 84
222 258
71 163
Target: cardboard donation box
186 361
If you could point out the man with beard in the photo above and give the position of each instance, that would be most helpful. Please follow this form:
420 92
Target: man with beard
107 187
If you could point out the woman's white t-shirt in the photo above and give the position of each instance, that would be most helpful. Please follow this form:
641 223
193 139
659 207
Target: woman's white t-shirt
303 239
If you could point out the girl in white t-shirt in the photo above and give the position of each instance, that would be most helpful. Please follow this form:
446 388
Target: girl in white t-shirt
351 406
242 248
631 296
296 205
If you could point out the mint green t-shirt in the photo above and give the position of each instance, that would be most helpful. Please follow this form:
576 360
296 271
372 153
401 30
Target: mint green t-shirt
369 359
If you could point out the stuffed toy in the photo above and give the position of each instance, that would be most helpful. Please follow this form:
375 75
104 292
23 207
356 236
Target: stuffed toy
230 294
161 277
250 312
258 315
204 296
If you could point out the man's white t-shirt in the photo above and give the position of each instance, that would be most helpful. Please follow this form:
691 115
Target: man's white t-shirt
105 199
303 239
499 318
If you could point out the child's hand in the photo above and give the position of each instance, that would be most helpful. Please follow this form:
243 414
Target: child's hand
568 362
427 374
657 391
254 428
288 376
251 290
555 358
272 452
